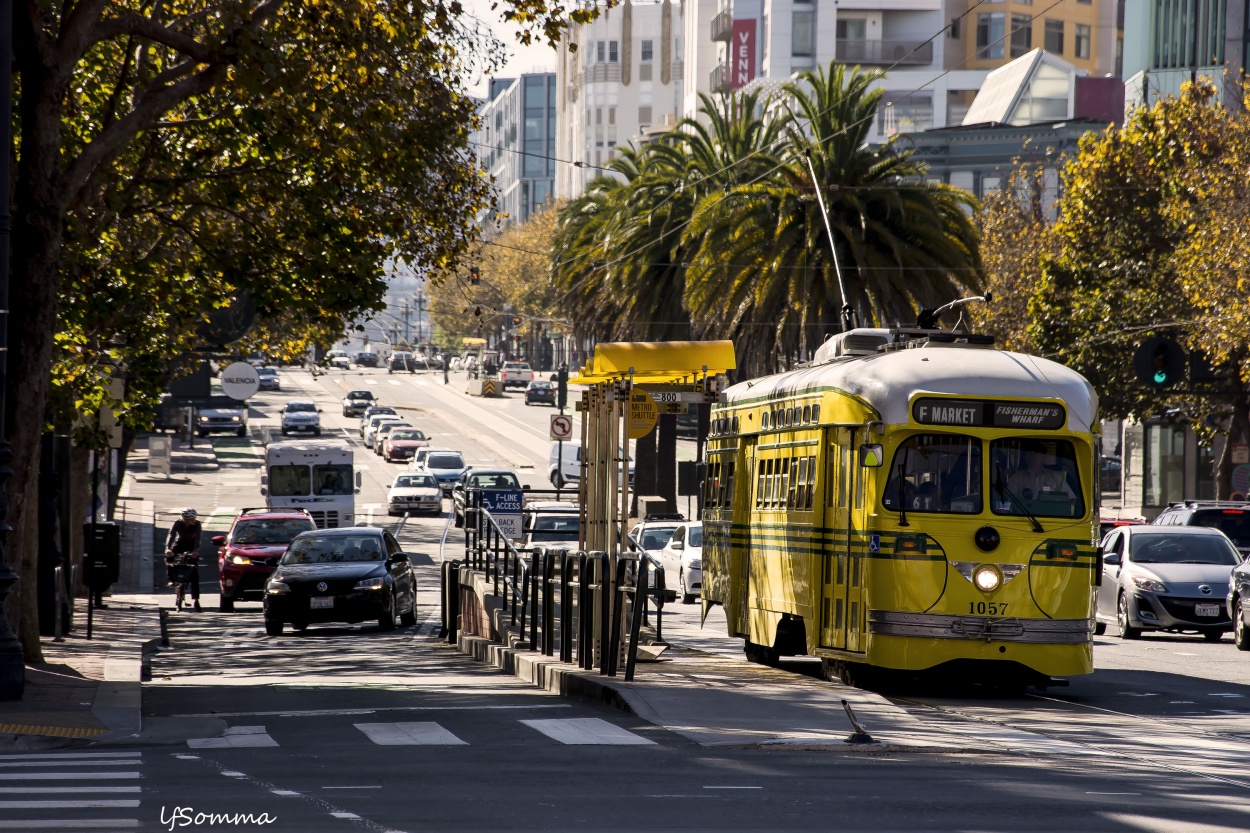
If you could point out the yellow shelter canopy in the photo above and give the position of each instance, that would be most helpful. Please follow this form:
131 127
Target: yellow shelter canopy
656 362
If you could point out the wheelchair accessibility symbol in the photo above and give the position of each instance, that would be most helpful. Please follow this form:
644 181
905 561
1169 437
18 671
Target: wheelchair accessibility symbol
874 543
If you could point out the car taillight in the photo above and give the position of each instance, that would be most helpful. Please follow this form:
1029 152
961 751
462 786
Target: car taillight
1234 512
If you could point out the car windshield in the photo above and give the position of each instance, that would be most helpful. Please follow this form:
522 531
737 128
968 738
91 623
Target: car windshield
333 479
1039 475
375 411
266 371
505 480
1183 549
540 385
1235 523
285 481
445 461
406 434
300 406
655 537
936 473
387 426
329 549
270 531
360 394
696 536
415 481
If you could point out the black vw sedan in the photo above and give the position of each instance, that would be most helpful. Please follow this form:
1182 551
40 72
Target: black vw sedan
352 574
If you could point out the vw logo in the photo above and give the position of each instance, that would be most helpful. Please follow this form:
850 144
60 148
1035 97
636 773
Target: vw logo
1205 588
323 587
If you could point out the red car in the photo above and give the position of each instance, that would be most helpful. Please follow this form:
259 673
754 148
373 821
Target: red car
248 554
402 443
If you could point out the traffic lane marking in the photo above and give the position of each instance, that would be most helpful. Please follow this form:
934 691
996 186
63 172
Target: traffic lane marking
409 734
587 731
373 710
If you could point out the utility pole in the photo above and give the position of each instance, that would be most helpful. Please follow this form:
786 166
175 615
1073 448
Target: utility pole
419 298
407 331
12 666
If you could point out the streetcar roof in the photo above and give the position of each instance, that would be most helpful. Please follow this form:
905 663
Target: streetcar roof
887 382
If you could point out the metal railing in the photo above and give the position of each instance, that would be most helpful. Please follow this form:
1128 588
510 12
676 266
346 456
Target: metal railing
723 25
884 52
555 596
719 79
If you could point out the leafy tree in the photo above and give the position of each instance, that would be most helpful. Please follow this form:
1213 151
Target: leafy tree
178 161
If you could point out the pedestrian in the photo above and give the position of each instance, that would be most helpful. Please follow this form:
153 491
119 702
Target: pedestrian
184 540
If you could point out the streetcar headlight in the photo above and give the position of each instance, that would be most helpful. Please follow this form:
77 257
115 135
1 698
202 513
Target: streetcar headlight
987 578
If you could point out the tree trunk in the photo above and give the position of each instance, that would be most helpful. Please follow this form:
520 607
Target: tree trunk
1238 431
666 481
645 470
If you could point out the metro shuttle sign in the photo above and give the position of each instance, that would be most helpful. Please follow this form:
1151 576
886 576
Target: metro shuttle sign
742 53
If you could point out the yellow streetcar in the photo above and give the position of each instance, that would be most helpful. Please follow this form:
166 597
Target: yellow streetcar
911 500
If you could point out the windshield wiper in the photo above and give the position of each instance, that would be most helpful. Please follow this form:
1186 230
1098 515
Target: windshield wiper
902 487
1003 490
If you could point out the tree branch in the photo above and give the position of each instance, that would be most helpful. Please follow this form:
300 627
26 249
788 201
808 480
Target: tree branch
143 27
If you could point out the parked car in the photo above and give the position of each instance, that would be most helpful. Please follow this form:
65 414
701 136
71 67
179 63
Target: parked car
1238 604
341 575
370 428
402 443
540 390
654 531
481 479
516 374
1109 475
564 466
1230 517
1165 578
366 359
682 558
384 428
688 422
339 359
248 553
357 402
269 378
414 492
550 523
447 466
402 360
1105 525
301 417
215 420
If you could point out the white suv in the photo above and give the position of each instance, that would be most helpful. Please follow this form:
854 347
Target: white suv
300 416
564 468
682 558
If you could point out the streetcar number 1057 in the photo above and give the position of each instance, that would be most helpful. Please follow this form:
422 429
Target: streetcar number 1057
990 608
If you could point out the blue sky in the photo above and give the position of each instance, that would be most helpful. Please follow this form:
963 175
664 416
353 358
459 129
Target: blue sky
520 58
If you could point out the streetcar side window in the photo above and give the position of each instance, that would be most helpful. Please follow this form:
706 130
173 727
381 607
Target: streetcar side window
811 482
1037 474
786 496
760 480
935 473
800 486
729 484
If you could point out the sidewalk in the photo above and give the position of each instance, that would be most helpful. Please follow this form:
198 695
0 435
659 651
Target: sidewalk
88 691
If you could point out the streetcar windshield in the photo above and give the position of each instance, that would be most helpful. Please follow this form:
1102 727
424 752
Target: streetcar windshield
936 473
1037 475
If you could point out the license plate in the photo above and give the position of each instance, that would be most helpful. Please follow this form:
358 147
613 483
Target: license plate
1206 610
327 601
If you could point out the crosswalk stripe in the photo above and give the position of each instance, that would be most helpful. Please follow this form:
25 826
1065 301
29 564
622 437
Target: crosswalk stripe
66 776
409 734
67 756
392 382
587 731
130 762
68 803
77 788
236 737
69 824
45 791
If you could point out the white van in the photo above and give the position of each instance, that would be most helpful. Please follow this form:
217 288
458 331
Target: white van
570 465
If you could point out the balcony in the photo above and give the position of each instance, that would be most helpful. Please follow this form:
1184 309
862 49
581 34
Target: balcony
884 52
719 80
723 26
599 72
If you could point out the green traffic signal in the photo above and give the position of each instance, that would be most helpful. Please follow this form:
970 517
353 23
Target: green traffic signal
1159 362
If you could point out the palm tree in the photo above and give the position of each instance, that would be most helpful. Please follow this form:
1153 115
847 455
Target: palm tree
763 264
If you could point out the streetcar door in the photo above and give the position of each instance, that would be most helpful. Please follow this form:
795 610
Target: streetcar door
740 563
839 466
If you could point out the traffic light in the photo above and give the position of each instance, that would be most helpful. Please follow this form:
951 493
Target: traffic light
1159 362
562 387
516 320
475 276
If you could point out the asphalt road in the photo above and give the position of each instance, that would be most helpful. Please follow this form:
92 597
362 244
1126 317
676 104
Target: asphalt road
347 727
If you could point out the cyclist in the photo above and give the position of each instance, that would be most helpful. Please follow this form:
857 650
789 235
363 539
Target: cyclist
184 540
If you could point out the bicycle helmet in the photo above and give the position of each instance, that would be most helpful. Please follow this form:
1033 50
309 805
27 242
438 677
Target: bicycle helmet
189 514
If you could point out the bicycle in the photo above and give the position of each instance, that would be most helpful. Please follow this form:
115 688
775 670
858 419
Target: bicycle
179 568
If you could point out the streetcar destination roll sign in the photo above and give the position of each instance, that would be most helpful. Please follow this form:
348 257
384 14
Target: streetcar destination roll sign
980 413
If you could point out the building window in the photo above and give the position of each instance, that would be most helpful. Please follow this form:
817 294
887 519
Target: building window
599 49
853 28
990 33
1054 37
613 54
611 115
803 33
648 48
644 117
1082 40
953 31
1021 34
1085 2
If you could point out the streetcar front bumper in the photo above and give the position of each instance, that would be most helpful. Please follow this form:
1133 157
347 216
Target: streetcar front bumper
980 628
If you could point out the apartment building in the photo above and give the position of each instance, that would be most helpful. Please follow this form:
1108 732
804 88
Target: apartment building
617 78
516 141
1167 42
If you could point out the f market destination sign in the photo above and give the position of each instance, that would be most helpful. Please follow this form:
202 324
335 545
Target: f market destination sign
983 413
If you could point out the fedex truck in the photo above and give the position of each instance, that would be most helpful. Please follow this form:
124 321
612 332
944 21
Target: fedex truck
317 475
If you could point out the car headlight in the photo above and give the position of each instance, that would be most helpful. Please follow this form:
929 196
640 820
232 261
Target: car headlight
370 584
276 587
1151 584
203 419
236 418
240 559
987 578
696 564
